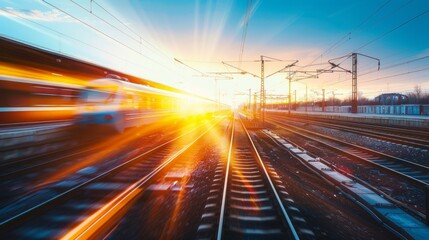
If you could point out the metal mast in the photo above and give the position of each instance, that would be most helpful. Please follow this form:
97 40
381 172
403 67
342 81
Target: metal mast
323 100
354 74
354 83
250 100
262 100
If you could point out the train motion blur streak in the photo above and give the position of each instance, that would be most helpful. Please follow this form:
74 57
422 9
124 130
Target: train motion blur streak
117 104
111 102
26 100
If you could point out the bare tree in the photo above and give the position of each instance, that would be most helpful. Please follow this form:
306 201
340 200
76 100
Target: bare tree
418 92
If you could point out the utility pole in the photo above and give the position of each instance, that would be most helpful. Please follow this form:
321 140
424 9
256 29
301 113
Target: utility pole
262 100
211 74
288 96
294 92
354 83
262 77
217 95
306 100
250 99
291 76
254 105
219 99
306 95
323 100
333 99
354 74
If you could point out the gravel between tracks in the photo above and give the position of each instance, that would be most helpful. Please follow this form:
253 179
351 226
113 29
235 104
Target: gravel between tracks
330 214
409 153
404 191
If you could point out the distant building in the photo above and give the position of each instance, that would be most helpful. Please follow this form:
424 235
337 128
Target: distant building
391 99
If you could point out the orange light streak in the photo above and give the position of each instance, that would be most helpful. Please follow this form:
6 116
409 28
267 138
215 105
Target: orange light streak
107 149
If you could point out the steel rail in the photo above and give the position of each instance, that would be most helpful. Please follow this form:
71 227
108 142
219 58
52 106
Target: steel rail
285 220
415 142
273 189
96 221
378 154
222 208
24 214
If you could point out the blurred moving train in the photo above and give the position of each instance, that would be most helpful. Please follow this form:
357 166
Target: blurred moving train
112 102
26 101
118 104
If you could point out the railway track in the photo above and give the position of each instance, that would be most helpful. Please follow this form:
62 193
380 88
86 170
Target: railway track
405 137
29 141
33 163
78 210
412 171
23 178
251 205
39 163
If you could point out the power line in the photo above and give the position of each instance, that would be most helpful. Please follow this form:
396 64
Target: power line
202 74
139 40
387 67
386 33
117 19
390 14
104 34
372 15
336 44
111 25
392 30
399 64
133 31
395 65
383 35
390 76
399 74
246 23
64 35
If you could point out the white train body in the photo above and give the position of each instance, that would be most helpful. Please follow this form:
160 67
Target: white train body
119 104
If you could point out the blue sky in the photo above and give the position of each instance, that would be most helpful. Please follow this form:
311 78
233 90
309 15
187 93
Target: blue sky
143 38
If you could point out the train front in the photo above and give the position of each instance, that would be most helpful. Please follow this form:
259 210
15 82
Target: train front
100 106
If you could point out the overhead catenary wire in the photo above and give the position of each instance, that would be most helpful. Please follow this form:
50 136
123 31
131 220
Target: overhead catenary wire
105 34
194 69
372 15
106 22
130 29
392 30
385 34
388 14
365 67
382 36
116 18
66 36
101 14
385 68
137 40
398 64
396 75
246 23
332 47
